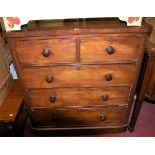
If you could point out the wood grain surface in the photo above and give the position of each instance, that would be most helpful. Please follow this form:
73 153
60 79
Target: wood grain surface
77 97
78 117
84 76
79 73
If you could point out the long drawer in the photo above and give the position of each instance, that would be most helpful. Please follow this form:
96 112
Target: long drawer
44 51
109 48
77 97
84 76
73 117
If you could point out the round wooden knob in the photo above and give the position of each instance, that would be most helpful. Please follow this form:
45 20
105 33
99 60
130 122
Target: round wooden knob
49 78
102 118
108 77
52 99
46 52
110 50
105 97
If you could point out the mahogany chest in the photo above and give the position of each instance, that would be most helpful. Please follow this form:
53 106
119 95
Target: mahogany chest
79 74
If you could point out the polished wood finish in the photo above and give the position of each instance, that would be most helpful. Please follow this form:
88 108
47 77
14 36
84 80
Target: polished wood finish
68 76
13 114
79 75
76 117
33 51
150 93
109 48
12 104
77 97
144 81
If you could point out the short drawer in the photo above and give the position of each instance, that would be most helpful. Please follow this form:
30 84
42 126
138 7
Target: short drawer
77 97
110 48
46 51
75 117
84 76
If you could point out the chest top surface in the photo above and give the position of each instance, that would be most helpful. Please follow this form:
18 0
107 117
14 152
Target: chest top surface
77 27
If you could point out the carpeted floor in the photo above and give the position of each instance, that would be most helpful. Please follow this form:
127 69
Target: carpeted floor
145 126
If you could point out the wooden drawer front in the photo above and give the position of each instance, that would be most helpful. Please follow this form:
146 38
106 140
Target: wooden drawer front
46 51
85 76
72 117
151 86
96 49
79 97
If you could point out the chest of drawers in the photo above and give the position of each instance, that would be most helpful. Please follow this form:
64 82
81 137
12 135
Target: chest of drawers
79 75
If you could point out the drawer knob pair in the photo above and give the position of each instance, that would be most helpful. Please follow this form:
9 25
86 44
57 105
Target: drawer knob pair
108 77
52 99
46 52
110 50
